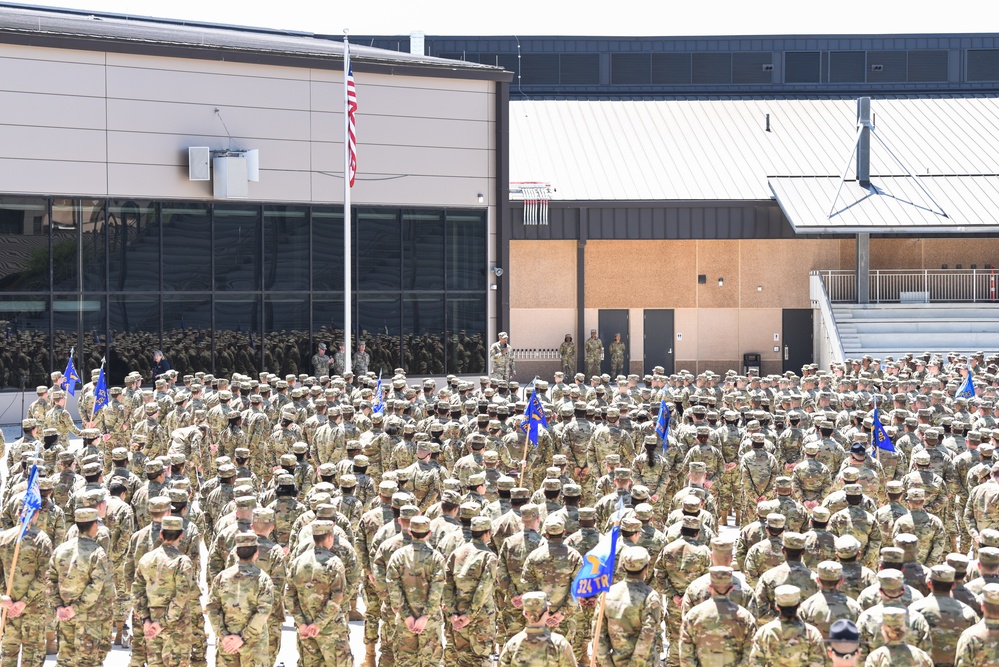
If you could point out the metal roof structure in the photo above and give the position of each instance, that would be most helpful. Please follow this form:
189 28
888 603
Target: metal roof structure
722 150
33 25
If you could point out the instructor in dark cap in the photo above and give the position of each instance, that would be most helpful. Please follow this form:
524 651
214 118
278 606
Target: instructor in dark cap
843 644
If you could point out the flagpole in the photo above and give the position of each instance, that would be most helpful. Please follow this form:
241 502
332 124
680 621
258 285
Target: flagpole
347 287
596 631
10 583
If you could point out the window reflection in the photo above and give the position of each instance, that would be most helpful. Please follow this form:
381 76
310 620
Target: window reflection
134 332
286 346
187 254
133 245
24 244
24 353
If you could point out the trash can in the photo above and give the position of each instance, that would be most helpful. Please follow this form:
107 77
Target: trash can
751 363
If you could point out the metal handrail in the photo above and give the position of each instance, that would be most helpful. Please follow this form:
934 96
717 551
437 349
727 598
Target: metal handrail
914 285
820 299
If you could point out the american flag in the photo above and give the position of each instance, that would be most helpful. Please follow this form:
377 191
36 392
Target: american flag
351 127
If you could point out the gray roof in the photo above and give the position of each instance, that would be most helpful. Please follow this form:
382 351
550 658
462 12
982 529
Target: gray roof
141 33
720 150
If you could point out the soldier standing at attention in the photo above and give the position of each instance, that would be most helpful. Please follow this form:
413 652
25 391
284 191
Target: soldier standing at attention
594 353
787 640
80 582
360 360
633 612
164 590
321 361
717 631
27 608
239 603
567 352
536 645
315 598
979 644
501 358
616 356
469 598
415 578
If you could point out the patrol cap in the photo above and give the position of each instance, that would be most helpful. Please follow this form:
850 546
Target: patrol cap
847 546
481 524
560 460
408 511
990 593
467 510
285 479
634 559
534 602
893 617
63 457
91 469
891 580
159 504
644 511
791 540
488 456
177 495
172 523
151 408
830 570
85 514
613 458
821 514
399 499
776 520
640 492
529 511
787 596
227 470
921 458
943 573
698 466
519 493
989 537
915 493
348 481
783 482
246 502
691 503
622 473
851 474
691 522
959 562
154 466
571 490
263 515
119 454
46 483
554 525
721 546
894 487
419 525
631 524
853 489
450 497
584 513
988 556
94 497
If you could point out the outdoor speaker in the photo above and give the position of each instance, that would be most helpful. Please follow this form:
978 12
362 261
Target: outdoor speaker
197 163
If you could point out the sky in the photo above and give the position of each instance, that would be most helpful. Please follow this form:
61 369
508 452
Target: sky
578 17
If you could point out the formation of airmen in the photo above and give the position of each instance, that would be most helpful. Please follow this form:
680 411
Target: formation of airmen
462 537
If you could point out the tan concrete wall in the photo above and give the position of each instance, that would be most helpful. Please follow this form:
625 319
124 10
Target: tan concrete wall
108 124
933 253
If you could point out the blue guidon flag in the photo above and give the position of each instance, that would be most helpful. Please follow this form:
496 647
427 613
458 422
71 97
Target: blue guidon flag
662 424
881 439
535 417
597 573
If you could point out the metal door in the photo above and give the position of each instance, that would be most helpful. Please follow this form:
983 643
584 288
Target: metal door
659 340
797 335
612 322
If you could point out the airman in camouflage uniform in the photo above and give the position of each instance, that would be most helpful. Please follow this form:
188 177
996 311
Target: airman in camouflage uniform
80 583
829 603
787 640
681 562
616 349
928 529
895 651
947 617
870 622
567 353
632 614
854 520
890 512
316 598
510 566
979 644
593 354
811 480
26 606
551 568
759 470
240 601
536 645
165 590
717 631
766 553
501 361
469 599
609 438
59 418
792 572
415 578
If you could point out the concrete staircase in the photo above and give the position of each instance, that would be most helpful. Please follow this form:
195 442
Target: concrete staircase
894 329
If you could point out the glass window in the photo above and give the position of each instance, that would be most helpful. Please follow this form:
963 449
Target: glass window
134 332
466 250
187 254
133 246
93 253
466 334
286 326
423 250
187 333
423 334
327 320
237 247
378 251
237 335
68 216
377 325
24 245
76 321
24 354
327 249
286 248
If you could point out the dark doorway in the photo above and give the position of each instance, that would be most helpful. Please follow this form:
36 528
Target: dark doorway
613 322
797 334
659 341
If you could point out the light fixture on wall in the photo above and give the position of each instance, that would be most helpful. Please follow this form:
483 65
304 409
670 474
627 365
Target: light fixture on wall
721 282
481 197
759 288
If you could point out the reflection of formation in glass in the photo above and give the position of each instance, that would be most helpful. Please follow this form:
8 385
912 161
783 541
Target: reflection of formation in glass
228 288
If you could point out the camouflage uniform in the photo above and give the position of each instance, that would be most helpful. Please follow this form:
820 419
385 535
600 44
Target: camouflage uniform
791 572
759 469
633 613
551 568
828 604
853 520
316 595
787 642
593 350
509 567
240 600
681 562
165 589
947 617
717 631
979 644
415 578
25 632
537 645
80 577
470 591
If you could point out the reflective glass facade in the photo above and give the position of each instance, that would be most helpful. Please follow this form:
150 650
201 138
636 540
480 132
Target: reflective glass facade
227 287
